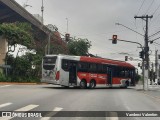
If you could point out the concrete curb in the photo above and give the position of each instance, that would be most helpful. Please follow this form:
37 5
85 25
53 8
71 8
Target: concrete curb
17 83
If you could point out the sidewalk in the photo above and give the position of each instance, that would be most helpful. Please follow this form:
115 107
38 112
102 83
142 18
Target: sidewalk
153 90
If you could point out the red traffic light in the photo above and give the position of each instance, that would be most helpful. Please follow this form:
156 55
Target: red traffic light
114 39
67 37
126 58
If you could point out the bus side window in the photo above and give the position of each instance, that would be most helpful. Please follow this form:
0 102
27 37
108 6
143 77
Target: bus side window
104 69
82 67
65 65
121 72
115 71
100 68
93 67
127 73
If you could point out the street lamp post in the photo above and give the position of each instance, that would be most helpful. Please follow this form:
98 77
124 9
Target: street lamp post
25 5
42 10
51 29
67 25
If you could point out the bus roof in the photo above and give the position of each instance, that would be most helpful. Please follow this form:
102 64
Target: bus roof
96 60
106 61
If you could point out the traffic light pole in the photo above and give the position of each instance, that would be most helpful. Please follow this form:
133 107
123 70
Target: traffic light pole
130 42
146 50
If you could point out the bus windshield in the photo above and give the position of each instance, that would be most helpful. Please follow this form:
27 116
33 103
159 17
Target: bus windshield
49 62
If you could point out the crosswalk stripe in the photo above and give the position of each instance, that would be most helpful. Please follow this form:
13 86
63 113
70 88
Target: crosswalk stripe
49 114
5 104
114 116
57 109
7 118
5 86
27 108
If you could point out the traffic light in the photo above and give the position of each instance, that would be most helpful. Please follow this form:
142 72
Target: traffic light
141 54
126 58
114 39
67 37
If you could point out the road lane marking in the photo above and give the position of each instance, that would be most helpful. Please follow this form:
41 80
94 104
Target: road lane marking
112 116
5 86
27 108
7 118
5 104
51 114
57 109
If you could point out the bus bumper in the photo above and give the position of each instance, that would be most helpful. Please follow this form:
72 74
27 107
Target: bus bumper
55 82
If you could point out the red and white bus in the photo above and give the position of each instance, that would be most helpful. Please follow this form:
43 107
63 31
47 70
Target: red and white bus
86 72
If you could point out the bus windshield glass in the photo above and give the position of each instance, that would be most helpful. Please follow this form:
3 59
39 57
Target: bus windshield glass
49 62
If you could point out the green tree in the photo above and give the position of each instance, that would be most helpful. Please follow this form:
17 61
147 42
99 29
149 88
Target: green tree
17 33
78 46
22 67
58 49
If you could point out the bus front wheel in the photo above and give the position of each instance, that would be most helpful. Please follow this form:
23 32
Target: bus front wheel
83 84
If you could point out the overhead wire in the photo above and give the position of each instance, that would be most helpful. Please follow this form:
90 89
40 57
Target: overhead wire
140 6
155 39
135 23
150 6
156 43
154 34
155 18
156 9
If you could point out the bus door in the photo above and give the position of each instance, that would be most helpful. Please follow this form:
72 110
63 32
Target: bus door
73 73
109 76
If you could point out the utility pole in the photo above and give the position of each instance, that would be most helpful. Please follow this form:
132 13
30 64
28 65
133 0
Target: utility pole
146 51
156 66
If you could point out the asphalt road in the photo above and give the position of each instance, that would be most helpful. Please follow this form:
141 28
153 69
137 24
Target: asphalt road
54 98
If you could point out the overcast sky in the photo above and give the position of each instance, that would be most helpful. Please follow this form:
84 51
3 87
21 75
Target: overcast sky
95 20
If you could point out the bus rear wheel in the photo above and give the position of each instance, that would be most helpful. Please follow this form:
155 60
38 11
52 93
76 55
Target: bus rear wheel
92 84
83 84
